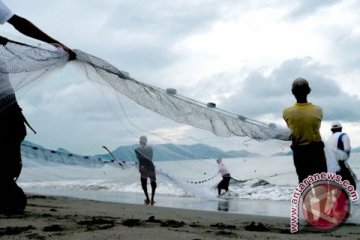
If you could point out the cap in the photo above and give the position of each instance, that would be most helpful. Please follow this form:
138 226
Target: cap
336 125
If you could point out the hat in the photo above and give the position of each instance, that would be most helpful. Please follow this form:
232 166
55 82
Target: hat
336 125
300 83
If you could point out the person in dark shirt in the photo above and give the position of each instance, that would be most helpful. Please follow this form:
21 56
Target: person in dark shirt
144 155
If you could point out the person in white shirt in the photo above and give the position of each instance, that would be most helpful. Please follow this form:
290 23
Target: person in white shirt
339 144
12 121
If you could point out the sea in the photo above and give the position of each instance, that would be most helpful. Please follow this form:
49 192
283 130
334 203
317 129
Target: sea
260 185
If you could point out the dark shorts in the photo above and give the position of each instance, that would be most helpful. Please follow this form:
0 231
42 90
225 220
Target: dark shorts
12 133
224 183
309 159
146 175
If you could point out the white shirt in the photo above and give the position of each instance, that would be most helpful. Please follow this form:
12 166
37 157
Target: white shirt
5 13
332 143
6 92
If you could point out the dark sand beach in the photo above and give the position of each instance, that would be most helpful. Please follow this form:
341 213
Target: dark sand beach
48 217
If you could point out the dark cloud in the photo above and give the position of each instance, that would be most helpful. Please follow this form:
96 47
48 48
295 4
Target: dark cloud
269 94
307 7
172 19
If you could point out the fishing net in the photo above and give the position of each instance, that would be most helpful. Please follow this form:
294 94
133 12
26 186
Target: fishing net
21 64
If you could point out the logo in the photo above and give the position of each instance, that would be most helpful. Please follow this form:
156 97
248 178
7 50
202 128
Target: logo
325 205
323 200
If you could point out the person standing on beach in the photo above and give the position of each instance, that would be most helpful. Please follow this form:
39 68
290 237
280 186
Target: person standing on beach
144 155
224 183
339 143
304 121
12 121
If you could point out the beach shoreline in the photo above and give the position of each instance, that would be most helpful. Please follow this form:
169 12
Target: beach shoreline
55 217
263 207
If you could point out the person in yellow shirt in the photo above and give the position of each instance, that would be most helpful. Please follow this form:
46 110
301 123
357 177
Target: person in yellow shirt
304 120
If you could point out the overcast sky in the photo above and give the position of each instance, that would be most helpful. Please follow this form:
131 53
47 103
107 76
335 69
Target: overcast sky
243 55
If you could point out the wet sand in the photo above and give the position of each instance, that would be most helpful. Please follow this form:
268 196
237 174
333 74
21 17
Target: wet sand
48 217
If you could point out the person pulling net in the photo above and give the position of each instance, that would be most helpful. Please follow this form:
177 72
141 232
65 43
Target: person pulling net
19 59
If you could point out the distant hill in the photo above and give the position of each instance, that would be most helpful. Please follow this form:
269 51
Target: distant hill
164 152
169 151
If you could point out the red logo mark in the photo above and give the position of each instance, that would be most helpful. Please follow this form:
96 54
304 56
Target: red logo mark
325 205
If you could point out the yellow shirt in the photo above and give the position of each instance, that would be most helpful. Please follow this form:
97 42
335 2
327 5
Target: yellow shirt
304 120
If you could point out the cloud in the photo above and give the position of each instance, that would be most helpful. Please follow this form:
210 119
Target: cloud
346 49
306 8
242 55
146 31
268 94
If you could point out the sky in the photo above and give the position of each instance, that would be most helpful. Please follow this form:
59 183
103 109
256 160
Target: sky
242 55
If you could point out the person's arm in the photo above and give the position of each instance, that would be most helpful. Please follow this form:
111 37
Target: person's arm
27 28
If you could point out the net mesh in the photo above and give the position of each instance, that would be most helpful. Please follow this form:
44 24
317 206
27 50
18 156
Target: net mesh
20 64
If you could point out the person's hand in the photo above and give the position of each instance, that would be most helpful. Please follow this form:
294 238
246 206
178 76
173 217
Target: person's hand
71 53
